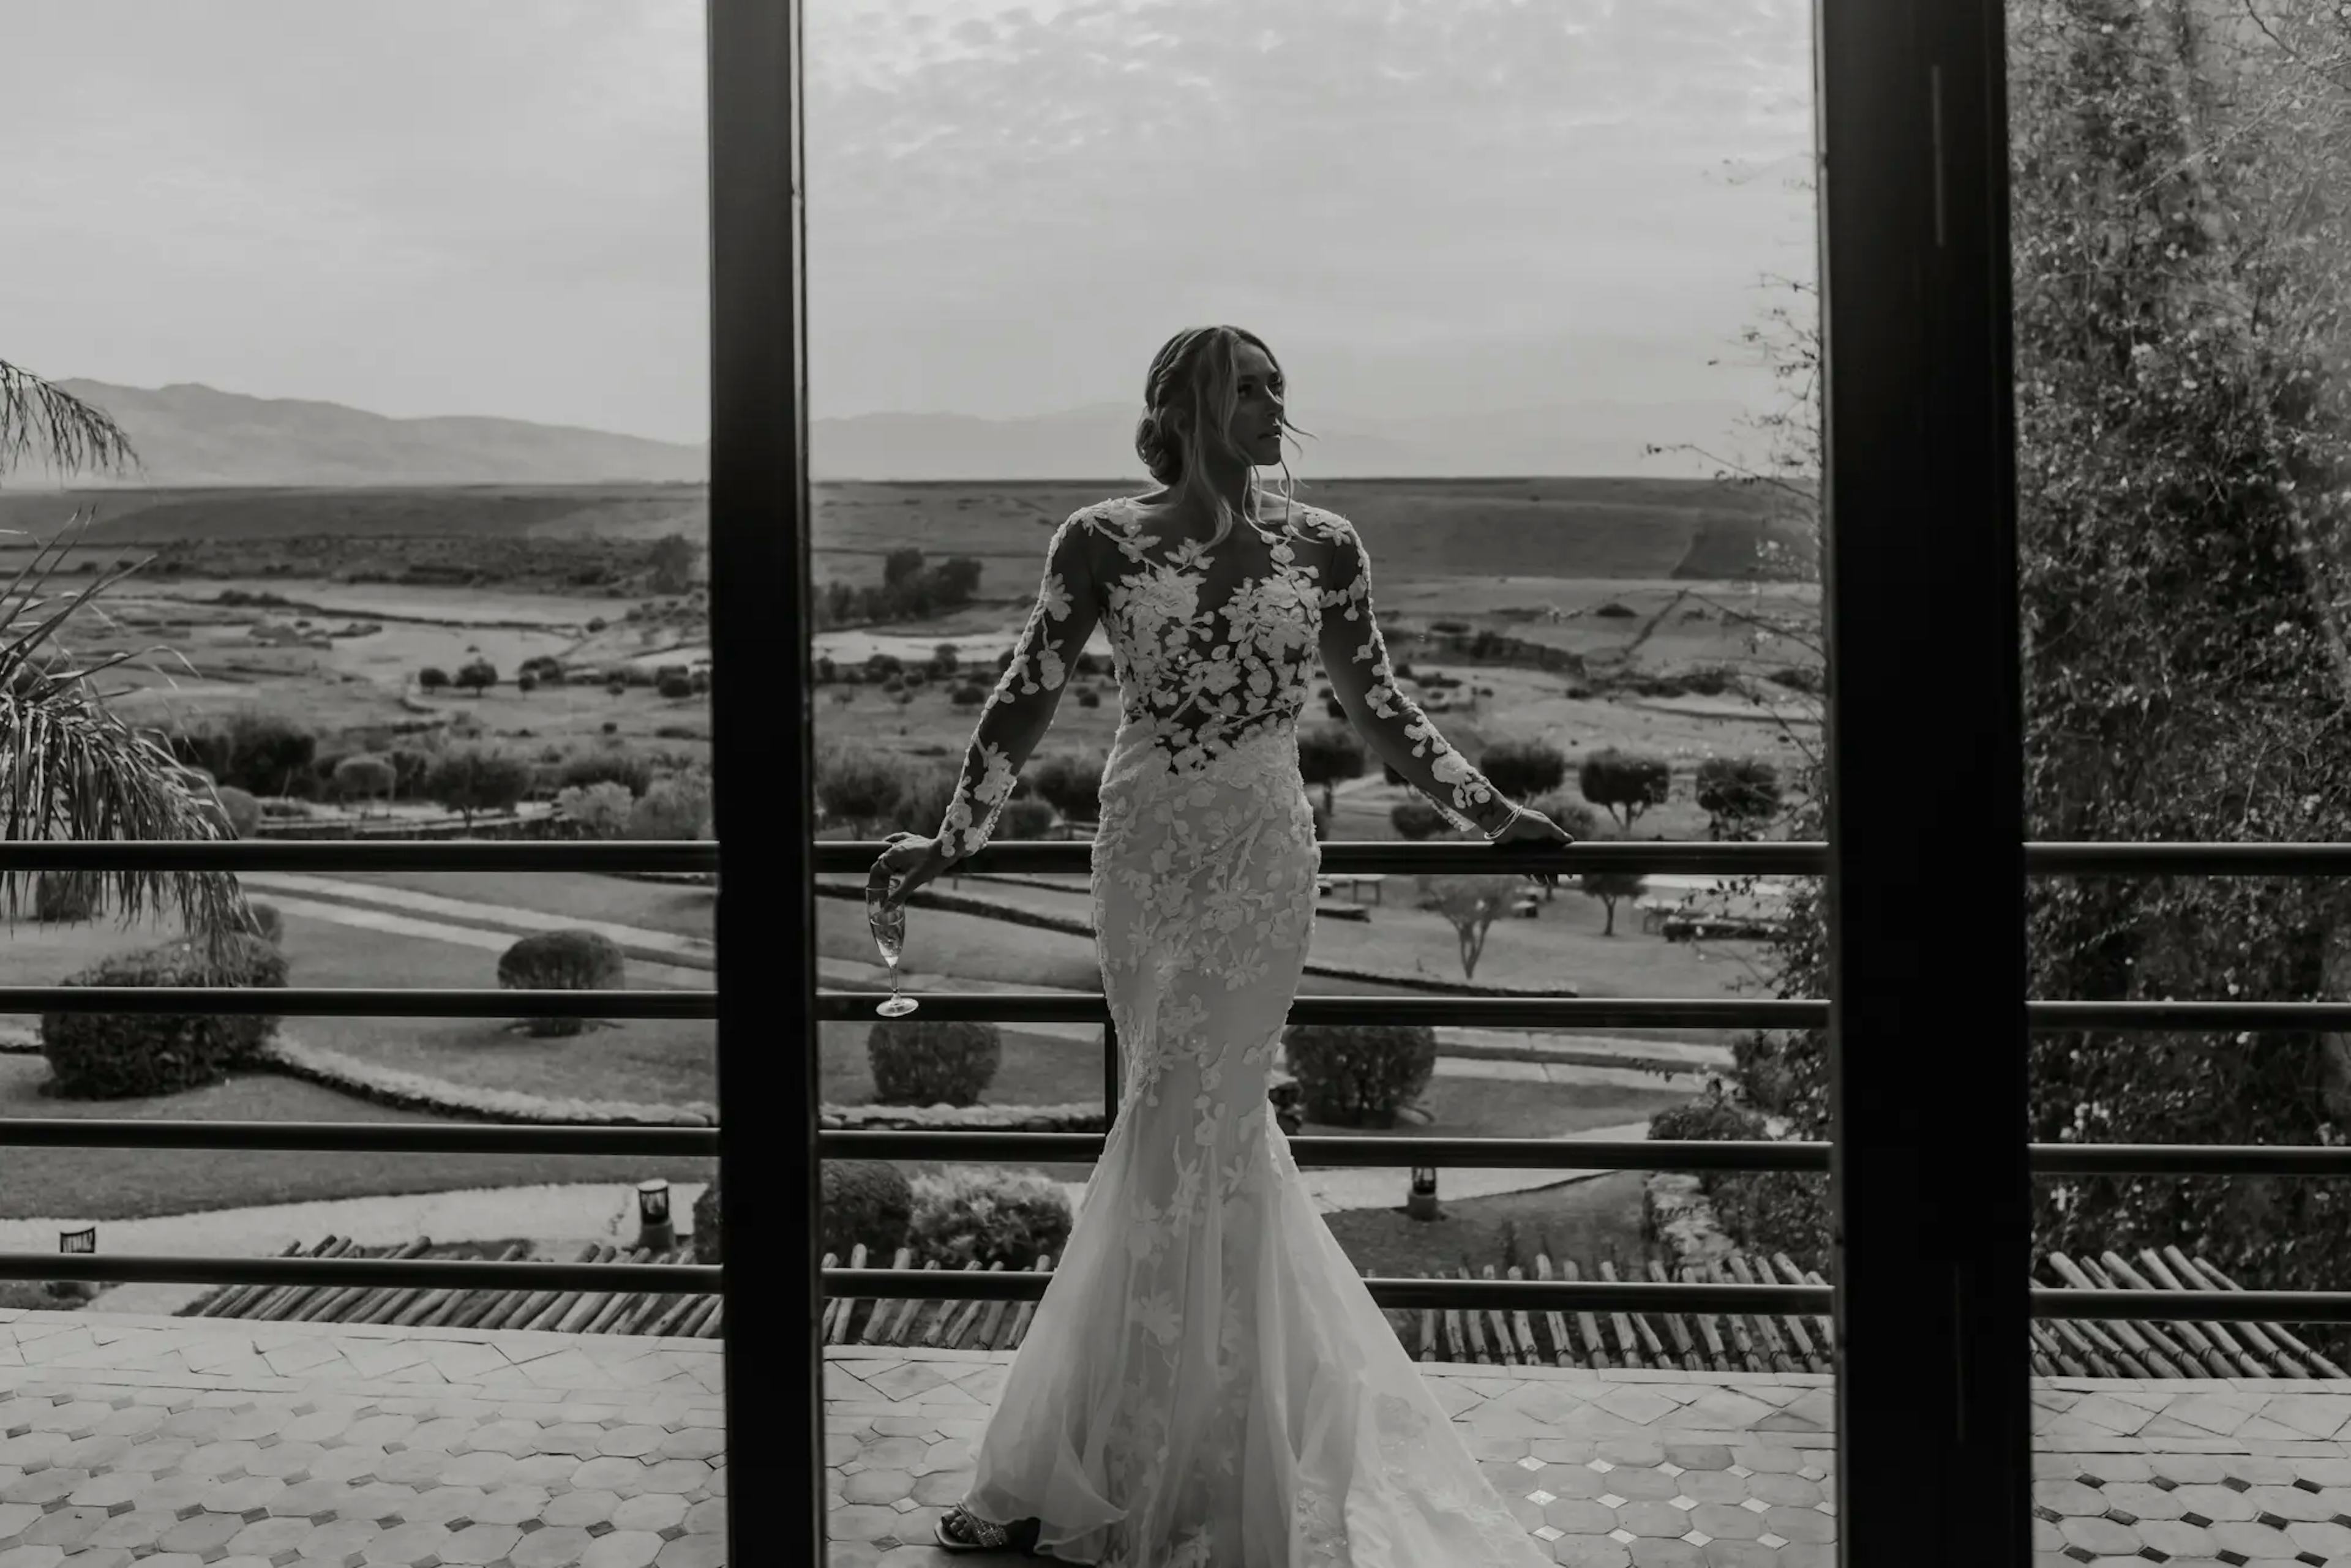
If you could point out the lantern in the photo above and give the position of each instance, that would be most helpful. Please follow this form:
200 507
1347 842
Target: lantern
1420 1203
653 1228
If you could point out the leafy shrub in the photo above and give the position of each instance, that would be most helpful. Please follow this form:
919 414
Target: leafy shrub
478 778
676 687
67 898
598 810
1520 768
1414 818
857 784
1359 1075
1030 819
431 677
925 1061
969 694
561 961
968 1214
268 923
477 676
409 766
1072 782
1573 815
1089 697
706 1238
365 778
261 753
611 765
676 807
1737 793
866 1203
922 803
239 812
1624 784
112 1056
527 681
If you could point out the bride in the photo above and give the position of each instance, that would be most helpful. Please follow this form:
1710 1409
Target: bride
1207 1382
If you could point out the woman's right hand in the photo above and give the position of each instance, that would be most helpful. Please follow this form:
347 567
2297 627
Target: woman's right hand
911 861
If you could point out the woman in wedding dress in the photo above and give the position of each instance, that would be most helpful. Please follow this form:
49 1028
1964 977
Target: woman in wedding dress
1207 1382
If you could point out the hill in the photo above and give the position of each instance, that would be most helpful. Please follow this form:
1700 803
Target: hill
1447 528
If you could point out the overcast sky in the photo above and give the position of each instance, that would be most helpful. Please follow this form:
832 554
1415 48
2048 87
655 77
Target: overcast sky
498 206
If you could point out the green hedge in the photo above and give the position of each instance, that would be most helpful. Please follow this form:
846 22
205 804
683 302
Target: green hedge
864 1202
1359 1075
112 1056
923 1062
562 961
969 1214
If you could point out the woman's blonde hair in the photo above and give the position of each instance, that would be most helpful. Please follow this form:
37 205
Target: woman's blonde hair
1189 400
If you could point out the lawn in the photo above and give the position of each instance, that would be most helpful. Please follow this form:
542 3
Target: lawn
1584 1222
127 1184
661 1061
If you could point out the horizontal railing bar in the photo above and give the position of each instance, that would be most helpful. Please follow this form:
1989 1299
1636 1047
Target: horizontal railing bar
357 1001
1579 1154
359 1137
1591 1012
394 1273
1643 1296
1796 858
1492 1012
360 855
836 856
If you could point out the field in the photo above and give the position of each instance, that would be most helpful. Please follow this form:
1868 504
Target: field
1630 611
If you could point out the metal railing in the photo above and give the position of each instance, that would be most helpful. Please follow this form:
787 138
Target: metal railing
249 855
837 858
1803 858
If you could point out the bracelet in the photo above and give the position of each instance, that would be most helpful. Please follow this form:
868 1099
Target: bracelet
1516 812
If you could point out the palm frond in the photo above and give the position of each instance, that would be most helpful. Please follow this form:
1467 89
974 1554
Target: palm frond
72 770
76 436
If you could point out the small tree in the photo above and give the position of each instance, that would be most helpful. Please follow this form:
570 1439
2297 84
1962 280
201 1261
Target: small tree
1522 768
902 565
597 810
364 778
1608 886
1071 783
1472 904
1624 784
477 676
1416 819
1737 793
859 785
478 778
673 558
1327 754
431 677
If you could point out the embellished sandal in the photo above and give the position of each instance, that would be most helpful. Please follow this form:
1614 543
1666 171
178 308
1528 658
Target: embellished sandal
960 1529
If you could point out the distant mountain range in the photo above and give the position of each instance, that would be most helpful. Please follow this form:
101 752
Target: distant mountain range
188 433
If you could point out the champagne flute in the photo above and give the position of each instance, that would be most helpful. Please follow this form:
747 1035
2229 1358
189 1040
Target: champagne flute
887 921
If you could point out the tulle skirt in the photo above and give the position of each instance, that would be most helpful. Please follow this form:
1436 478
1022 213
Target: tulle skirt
1207 1381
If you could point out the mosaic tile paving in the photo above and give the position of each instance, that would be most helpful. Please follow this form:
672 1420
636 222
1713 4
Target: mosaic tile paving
174 1443
1644 1468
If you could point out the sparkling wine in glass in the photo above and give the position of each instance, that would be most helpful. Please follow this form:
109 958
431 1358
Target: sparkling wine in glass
888 922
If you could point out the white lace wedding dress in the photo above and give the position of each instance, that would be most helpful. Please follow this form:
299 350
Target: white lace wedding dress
1207 1382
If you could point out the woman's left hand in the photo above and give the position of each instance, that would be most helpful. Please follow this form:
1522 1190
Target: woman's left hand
1531 826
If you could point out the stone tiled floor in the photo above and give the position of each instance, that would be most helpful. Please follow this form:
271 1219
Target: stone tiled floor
1637 1469
178 1442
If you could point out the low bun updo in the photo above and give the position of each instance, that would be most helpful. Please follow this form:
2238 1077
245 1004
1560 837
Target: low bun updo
1191 387
1161 449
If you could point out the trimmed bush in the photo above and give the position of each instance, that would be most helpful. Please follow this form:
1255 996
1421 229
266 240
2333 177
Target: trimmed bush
1071 781
675 687
971 1214
925 1061
862 1202
365 778
66 898
1416 819
561 961
1359 1075
238 810
268 923
431 678
858 785
113 1056
1520 768
478 778
969 694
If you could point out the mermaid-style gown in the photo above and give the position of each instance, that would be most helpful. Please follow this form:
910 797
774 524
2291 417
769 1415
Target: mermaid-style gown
1207 1382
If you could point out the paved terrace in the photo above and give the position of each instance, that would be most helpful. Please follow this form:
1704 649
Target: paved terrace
178 1442
1655 1469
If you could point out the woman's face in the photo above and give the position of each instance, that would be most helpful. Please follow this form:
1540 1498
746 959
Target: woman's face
1256 430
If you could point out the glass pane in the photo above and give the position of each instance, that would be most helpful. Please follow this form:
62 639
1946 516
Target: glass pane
2178 224
1550 351
375 338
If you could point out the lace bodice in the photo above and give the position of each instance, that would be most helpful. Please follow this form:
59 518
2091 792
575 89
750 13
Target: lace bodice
1211 648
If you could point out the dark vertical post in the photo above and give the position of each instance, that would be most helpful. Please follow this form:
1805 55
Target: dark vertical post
759 714
1110 1070
1926 820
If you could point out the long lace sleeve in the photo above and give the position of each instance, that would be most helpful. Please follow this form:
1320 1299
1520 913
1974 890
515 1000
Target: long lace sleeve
1356 659
1021 709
